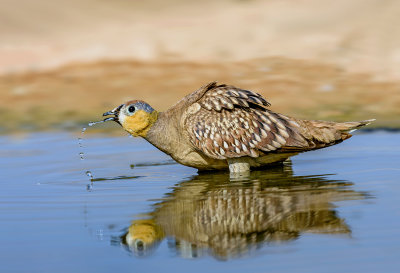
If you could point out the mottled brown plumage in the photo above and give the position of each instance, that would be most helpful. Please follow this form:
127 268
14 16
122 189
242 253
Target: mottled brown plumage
227 220
228 122
220 125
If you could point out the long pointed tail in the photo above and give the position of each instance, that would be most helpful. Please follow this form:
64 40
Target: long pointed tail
325 133
349 127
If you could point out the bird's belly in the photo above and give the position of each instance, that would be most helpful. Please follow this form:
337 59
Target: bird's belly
202 162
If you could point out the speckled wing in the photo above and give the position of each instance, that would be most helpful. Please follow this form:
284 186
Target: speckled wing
228 122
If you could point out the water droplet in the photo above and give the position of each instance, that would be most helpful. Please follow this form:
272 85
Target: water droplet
81 155
95 122
89 173
89 187
83 129
90 124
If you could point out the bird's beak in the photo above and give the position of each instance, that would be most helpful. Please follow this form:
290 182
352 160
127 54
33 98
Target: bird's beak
114 112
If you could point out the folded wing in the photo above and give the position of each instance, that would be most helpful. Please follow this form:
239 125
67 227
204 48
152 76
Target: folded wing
228 122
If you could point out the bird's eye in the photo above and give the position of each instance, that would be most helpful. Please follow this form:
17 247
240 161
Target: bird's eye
131 109
139 245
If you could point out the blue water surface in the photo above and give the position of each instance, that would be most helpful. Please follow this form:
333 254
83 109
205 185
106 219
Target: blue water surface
331 210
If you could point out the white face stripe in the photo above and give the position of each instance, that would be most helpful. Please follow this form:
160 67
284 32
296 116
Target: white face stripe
121 117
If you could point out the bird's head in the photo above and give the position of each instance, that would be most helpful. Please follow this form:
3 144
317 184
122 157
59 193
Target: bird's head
135 116
143 237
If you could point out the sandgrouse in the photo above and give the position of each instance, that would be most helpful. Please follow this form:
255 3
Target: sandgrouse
221 126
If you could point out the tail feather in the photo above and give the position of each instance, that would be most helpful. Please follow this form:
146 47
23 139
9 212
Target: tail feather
348 127
325 133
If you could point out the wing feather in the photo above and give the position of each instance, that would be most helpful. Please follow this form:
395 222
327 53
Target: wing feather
232 122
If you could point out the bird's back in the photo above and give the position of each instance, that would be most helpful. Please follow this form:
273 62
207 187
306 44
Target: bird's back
219 124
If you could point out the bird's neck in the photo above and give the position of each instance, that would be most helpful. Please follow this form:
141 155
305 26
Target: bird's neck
164 133
152 120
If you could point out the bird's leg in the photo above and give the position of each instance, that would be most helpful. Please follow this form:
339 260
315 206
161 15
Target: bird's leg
238 167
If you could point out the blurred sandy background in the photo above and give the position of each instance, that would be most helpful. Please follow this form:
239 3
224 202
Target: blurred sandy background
63 63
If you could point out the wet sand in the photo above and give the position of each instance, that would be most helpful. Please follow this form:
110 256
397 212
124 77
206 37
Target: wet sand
73 95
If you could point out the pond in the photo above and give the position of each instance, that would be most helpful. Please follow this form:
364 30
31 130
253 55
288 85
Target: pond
331 210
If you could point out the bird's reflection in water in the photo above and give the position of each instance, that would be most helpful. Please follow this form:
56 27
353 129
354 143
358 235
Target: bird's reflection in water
209 214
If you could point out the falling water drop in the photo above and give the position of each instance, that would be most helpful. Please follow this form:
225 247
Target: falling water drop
89 173
89 187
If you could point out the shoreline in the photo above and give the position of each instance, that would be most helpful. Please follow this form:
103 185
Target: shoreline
79 93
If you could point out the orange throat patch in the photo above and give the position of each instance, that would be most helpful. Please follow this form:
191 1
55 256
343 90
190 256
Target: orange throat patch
139 123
